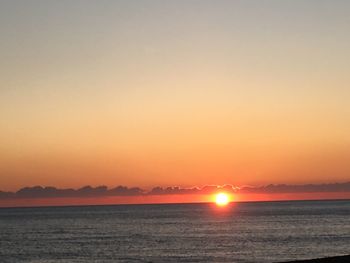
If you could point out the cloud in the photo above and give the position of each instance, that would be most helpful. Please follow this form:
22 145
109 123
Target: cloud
306 188
5 195
208 189
99 191
173 190
86 191
125 191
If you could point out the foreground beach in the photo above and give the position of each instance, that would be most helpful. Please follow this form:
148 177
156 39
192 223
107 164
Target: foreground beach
339 259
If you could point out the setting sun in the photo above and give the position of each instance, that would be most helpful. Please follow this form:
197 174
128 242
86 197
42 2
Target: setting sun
222 199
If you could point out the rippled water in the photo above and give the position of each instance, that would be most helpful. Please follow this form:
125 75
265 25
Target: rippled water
243 232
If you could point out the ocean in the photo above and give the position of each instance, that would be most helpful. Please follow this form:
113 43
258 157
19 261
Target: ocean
241 232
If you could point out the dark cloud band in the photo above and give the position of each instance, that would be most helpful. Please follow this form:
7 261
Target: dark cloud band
89 191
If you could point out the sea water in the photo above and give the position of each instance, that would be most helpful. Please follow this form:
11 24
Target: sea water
241 232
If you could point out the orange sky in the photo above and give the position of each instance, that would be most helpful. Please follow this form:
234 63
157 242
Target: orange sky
168 93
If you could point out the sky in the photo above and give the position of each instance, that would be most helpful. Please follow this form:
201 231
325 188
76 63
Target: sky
174 93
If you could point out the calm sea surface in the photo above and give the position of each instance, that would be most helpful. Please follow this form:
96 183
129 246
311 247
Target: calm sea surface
243 232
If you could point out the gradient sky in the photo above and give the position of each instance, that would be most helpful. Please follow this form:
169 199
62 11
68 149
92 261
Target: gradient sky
146 93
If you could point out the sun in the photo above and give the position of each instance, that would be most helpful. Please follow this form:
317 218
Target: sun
222 199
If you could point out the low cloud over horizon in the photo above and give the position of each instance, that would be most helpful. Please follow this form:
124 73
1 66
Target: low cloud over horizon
104 191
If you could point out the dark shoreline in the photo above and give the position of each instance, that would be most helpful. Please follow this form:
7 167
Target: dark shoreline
337 259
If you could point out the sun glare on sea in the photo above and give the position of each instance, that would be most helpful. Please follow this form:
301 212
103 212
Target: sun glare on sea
222 199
